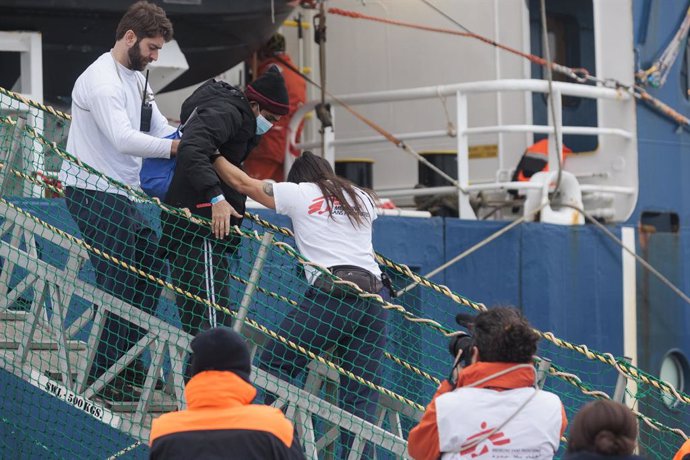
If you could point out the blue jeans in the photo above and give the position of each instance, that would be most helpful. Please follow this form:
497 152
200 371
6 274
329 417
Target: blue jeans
356 328
112 224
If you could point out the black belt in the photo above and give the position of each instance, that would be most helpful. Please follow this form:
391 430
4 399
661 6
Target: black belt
364 279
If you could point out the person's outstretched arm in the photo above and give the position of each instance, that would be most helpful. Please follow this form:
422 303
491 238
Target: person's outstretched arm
257 190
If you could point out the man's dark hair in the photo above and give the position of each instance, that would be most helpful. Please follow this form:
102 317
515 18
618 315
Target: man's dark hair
310 168
503 335
605 427
146 20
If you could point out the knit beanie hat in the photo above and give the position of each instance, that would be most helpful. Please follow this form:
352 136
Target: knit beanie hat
270 92
220 349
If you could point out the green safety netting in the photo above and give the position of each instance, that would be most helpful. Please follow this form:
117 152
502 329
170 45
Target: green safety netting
68 396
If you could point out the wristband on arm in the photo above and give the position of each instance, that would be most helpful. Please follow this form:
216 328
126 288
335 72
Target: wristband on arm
217 199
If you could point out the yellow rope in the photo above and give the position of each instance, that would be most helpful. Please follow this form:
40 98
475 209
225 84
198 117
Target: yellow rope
204 222
606 358
216 306
34 104
569 377
239 279
577 382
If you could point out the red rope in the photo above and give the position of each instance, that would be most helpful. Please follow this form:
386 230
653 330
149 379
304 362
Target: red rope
353 14
579 74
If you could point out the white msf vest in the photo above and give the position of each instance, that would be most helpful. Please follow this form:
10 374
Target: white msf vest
469 413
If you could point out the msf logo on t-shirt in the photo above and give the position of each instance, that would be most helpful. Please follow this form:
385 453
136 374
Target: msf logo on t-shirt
320 206
496 439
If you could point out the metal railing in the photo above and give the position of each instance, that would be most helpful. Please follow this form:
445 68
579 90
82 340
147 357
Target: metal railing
461 91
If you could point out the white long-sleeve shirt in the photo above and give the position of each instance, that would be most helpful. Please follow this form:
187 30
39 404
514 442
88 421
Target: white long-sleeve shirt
106 113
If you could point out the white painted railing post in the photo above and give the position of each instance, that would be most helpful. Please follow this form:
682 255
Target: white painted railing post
629 307
328 141
556 131
464 209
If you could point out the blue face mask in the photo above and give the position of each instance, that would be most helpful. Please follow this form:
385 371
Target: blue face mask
262 125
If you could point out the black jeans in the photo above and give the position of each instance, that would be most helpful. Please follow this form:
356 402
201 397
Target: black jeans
356 328
112 223
198 265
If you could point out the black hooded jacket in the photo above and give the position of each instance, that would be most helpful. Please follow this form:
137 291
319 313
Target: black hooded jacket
225 125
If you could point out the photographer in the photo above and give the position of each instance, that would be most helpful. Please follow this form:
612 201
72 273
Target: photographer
494 409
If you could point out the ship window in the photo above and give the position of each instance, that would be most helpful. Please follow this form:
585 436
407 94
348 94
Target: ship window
674 371
563 35
659 222
571 43
559 28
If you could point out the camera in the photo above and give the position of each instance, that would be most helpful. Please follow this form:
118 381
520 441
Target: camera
462 341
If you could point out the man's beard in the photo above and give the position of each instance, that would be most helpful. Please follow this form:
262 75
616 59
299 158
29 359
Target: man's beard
136 60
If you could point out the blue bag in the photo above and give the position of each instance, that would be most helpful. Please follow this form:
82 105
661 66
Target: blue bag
157 173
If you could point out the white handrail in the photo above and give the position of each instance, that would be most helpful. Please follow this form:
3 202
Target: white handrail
432 92
541 129
411 192
461 91
375 139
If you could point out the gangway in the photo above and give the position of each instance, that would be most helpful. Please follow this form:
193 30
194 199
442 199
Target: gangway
37 344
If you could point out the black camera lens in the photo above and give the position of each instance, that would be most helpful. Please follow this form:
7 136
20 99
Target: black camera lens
461 341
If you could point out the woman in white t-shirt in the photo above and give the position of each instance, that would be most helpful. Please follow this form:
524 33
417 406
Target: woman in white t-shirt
332 221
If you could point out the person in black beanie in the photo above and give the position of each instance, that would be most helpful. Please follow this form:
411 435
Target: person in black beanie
219 120
221 349
220 421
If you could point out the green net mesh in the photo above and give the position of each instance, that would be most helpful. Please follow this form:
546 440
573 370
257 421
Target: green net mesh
93 345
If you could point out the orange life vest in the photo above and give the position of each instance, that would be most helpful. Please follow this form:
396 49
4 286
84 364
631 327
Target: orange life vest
534 160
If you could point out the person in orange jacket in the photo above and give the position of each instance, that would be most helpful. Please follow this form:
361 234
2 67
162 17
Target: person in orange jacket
495 410
220 420
684 452
268 158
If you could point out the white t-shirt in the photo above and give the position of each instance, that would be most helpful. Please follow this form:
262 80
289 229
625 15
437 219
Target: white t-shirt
324 239
106 113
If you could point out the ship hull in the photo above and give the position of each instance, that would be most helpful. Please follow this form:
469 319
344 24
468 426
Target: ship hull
213 35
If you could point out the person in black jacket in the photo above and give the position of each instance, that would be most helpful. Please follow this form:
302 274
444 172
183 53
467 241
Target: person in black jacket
220 420
220 120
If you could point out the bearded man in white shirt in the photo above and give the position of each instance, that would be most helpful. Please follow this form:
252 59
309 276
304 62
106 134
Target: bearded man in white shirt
115 123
